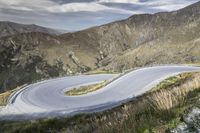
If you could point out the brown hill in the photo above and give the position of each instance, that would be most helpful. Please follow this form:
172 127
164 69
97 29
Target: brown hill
161 38
10 28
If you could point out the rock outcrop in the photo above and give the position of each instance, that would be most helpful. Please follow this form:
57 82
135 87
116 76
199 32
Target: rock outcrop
191 122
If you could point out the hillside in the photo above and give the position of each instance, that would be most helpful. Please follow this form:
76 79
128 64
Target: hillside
168 37
161 38
10 28
171 107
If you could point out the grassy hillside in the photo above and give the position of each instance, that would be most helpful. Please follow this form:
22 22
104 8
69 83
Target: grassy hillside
159 110
146 39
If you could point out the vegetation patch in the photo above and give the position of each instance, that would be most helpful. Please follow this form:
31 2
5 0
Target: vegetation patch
85 89
154 112
173 81
4 96
99 71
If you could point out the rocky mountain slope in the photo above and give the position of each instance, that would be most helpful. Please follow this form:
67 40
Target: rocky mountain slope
9 28
161 38
168 37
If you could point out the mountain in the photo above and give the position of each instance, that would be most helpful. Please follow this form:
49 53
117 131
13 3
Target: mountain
141 40
146 39
10 28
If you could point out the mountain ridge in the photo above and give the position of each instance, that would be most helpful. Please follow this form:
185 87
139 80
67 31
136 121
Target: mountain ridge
8 28
140 40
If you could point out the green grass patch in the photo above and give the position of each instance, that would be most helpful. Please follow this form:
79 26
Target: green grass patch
98 71
194 64
173 81
85 89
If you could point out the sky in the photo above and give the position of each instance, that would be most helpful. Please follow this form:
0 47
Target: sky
73 15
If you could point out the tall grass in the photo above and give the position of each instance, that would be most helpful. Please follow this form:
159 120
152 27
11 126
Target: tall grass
166 99
157 111
152 112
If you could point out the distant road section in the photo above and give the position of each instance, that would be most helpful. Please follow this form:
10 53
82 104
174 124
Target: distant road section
47 99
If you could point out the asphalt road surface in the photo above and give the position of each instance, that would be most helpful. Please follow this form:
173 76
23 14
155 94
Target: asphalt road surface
47 99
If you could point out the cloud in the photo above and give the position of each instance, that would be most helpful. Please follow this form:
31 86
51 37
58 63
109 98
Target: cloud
169 5
76 7
35 5
148 6
119 1
61 6
52 6
89 7
80 14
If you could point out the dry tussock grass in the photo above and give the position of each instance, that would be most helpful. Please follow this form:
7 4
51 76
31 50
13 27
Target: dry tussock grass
4 96
162 101
166 99
156 111
148 113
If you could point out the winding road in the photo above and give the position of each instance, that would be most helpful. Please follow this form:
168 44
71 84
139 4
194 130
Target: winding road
47 99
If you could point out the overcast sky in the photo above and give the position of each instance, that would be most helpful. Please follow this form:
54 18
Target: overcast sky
74 15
